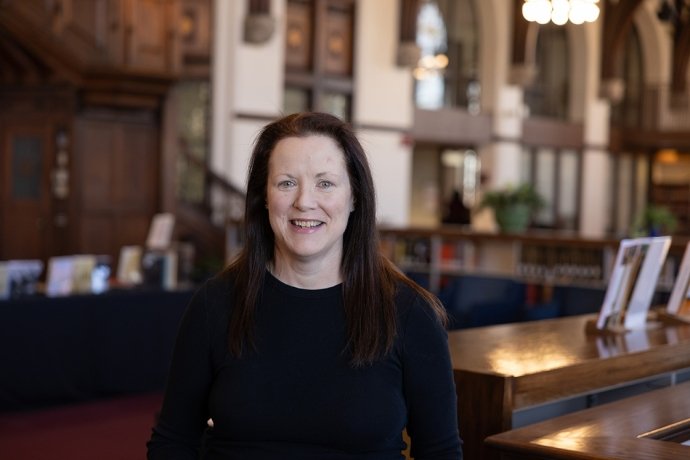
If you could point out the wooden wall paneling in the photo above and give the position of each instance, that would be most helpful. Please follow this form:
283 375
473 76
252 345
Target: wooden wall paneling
118 169
35 113
97 233
547 132
87 27
96 152
451 127
29 24
337 48
194 29
148 38
136 169
25 213
299 40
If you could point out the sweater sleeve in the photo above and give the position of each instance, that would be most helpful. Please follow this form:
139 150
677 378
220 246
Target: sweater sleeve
182 421
429 387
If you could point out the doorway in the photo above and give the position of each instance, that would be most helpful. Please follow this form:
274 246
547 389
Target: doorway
25 209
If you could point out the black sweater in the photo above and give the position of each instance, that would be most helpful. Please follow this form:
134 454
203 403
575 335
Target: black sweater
296 396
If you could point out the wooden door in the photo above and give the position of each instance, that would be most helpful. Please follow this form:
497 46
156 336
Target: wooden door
25 209
117 162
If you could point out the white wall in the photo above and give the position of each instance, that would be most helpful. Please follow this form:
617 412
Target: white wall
383 94
596 174
383 99
221 81
390 161
247 80
258 70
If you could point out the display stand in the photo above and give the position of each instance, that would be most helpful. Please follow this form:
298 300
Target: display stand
631 287
677 309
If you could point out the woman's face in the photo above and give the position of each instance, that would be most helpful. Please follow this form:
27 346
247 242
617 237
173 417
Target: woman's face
309 199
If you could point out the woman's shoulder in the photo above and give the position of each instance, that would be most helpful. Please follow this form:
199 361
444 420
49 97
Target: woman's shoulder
413 304
215 293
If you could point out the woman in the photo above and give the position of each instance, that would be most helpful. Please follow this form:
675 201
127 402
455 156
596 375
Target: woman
310 345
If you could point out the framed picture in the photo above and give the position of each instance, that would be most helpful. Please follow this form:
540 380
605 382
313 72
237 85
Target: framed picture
19 278
633 283
678 303
161 231
69 275
129 265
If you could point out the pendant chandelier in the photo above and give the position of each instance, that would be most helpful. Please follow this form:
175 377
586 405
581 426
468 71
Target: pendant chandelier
560 11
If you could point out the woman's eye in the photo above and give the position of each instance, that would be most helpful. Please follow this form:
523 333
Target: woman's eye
286 184
325 184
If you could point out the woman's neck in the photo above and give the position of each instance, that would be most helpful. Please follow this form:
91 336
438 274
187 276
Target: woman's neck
306 275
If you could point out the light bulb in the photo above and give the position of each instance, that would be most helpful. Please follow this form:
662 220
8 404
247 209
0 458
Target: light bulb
560 11
559 17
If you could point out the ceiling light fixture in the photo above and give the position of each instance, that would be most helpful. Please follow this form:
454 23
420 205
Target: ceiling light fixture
560 11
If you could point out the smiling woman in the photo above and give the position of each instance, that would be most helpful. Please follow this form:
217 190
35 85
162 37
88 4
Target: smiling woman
310 344
309 201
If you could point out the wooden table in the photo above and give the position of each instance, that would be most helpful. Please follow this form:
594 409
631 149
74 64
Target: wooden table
648 426
499 369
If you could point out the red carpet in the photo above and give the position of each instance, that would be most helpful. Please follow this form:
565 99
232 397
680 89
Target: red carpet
115 429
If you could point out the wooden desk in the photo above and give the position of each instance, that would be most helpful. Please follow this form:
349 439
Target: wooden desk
632 428
499 369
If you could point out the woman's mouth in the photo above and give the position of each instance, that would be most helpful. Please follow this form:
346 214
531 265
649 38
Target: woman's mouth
306 223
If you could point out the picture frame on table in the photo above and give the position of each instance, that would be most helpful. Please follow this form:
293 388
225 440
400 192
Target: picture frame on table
678 305
632 284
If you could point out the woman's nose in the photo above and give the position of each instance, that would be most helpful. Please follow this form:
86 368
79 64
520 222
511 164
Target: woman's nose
304 199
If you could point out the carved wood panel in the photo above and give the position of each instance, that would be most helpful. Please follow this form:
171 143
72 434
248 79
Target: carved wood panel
149 34
195 31
319 55
337 46
299 40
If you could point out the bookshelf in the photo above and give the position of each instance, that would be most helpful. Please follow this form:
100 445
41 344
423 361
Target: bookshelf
535 257
675 196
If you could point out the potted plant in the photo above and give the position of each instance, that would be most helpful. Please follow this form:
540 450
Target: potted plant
513 206
654 220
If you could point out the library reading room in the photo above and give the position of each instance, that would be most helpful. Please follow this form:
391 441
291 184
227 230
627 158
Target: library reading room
508 180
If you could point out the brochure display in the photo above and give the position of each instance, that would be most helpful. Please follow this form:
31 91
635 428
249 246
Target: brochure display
678 306
160 232
159 260
129 266
19 278
632 285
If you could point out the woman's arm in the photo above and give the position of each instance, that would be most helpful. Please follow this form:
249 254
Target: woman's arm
178 431
429 387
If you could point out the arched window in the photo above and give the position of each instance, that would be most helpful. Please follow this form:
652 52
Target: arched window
548 95
628 111
447 72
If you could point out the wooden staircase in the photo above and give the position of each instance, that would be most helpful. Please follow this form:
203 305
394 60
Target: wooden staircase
212 224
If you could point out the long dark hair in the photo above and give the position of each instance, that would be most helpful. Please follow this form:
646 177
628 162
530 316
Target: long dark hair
369 279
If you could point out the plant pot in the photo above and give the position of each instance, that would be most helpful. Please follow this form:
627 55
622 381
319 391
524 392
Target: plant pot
514 218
